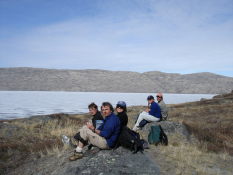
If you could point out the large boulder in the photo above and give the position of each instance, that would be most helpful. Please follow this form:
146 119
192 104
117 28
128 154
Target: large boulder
169 127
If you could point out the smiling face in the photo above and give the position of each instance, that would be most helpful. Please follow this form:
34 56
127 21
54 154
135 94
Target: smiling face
119 109
159 97
106 110
93 111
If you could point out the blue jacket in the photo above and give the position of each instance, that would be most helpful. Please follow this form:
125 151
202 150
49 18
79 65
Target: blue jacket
155 110
111 129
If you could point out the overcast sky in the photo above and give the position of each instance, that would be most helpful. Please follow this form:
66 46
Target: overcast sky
173 36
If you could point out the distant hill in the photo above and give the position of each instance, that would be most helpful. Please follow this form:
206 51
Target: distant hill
92 80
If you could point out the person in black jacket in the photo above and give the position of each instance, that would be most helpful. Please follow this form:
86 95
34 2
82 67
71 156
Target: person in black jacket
93 108
121 110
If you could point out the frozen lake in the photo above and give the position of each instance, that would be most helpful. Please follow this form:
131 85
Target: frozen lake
22 104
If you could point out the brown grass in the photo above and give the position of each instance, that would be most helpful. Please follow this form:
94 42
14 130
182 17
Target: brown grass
36 139
211 124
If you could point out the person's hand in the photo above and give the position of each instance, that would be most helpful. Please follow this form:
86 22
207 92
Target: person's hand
147 110
87 123
90 126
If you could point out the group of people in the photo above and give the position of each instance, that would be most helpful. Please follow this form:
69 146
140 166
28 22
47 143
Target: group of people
156 112
106 135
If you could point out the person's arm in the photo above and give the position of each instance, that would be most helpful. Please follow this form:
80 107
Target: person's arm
152 109
109 126
91 127
107 132
97 131
156 111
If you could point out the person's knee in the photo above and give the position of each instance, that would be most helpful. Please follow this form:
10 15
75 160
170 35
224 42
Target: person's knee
80 138
83 134
140 116
84 128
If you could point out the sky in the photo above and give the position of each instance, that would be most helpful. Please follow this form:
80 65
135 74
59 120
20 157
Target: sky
171 36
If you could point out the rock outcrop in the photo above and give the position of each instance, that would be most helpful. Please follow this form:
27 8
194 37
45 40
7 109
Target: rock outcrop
169 127
119 161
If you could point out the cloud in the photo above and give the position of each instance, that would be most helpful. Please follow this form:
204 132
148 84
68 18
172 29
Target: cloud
167 36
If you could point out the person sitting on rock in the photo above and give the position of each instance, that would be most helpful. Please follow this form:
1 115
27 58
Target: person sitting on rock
103 137
163 107
151 115
93 108
121 113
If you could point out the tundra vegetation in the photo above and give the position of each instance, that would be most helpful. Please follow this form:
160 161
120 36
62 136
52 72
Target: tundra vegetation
210 123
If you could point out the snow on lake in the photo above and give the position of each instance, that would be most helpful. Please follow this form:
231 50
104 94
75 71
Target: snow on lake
22 104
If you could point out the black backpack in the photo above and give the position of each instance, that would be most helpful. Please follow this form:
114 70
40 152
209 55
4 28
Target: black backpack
130 139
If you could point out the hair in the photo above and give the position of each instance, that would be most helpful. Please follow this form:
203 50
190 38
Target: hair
124 108
107 104
93 105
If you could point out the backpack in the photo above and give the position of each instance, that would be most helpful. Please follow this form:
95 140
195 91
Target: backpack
157 136
130 139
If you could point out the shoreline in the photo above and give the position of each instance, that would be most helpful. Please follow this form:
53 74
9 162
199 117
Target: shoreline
24 104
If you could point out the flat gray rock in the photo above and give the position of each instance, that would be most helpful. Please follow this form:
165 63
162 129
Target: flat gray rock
119 161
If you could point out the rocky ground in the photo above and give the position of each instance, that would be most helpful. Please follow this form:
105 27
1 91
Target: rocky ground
119 161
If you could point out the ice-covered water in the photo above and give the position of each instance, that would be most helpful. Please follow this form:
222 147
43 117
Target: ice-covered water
22 104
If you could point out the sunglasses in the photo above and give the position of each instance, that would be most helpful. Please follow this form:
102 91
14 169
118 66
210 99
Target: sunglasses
158 97
119 106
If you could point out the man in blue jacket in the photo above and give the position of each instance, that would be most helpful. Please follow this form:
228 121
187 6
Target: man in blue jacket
151 115
104 137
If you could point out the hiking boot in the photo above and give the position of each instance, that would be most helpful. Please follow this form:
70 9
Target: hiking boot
77 155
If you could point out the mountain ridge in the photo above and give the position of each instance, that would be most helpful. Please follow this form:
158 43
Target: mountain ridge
97 80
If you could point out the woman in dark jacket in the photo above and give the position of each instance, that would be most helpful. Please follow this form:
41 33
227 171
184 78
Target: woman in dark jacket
121 110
